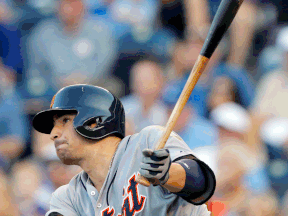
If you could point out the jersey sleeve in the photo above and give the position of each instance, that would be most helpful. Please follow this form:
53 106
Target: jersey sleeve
178 149
61 203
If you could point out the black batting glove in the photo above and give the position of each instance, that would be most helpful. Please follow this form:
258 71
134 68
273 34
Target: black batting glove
155 166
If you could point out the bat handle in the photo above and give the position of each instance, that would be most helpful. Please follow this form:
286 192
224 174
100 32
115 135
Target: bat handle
186 92
142 180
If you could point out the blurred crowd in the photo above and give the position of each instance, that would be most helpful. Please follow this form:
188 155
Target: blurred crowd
236 119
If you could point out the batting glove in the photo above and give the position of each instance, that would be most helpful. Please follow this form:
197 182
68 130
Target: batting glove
155 166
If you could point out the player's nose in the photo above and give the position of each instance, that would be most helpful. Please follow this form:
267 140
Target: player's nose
56 133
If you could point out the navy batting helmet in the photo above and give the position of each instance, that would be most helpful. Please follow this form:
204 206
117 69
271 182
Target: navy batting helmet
92 104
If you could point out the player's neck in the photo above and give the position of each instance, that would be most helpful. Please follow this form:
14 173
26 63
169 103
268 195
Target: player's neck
98 158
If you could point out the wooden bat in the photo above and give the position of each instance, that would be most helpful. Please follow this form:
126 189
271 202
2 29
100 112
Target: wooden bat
221 22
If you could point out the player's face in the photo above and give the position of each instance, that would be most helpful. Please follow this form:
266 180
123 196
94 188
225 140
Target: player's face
68 143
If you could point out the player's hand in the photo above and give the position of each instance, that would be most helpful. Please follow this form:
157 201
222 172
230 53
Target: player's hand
155 166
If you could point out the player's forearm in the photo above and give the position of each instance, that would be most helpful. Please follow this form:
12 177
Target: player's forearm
177 177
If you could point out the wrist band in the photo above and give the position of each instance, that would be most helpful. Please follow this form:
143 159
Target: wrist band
195 182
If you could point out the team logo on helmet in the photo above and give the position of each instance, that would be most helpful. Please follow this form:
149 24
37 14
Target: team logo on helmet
52 102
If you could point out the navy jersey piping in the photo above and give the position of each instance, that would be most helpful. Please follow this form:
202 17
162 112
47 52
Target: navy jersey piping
83 184
107 197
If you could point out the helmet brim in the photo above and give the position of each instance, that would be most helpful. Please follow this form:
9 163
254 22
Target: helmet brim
43 121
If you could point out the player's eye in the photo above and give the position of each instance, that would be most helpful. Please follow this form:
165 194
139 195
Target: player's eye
65 120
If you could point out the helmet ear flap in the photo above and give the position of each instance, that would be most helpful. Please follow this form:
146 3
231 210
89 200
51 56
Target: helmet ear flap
93 123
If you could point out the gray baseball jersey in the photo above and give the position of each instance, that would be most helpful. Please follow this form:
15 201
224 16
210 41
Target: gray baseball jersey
121 194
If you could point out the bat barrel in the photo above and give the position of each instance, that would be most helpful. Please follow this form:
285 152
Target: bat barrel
184 97
221 22
224 16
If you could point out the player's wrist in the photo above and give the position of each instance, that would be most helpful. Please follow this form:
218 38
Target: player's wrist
194 181
176 180
164 179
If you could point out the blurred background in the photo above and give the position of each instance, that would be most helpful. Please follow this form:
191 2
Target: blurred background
236 119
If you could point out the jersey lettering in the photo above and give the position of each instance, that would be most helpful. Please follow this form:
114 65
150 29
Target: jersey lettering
106 212
137 202
132 203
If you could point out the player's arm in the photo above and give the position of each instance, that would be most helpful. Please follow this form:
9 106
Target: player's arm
177 178
186 176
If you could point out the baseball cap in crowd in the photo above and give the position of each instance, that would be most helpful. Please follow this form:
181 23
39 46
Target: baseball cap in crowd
274 134
275 131
282 39
231 116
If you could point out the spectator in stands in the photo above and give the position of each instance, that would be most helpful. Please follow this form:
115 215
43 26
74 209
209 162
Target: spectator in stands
8 206
284 204
234 124
26 179
264 204
243 84
201 13
223 91
138 14
10 47
28 13
13 124
195 130
172 13
233 121
103 11
272 88
185 56
144 106
274 136
10 50
232 195
143 38
72 48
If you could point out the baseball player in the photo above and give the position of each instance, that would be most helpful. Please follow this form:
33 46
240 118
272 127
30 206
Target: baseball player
87 125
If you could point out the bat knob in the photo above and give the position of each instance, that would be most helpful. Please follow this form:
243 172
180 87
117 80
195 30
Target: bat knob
142 180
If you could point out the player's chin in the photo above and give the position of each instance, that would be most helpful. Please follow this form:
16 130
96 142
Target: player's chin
66 159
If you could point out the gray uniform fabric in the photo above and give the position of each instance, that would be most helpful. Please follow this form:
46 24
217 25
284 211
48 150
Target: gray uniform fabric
120 194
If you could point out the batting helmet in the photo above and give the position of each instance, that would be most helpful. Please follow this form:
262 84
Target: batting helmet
92 103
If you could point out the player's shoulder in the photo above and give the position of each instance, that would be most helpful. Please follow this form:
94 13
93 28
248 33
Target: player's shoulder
152 129
157 130
77 181
151 132
62 192
150 135
69 189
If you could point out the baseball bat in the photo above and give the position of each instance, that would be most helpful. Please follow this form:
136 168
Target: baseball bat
224 16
